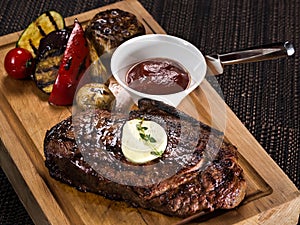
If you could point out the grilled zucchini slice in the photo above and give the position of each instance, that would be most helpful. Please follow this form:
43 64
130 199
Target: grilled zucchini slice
43 25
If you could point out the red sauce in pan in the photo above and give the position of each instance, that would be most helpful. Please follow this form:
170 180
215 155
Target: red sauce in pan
158 76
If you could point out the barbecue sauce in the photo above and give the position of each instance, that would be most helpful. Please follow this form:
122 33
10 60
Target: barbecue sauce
158 76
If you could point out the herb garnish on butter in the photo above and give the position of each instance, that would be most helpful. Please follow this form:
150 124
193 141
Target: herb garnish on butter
147 138
143 140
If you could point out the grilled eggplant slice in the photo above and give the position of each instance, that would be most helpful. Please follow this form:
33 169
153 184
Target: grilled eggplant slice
110 28
49 55
43 25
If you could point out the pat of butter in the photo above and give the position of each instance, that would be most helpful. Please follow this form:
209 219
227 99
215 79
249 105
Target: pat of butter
137 150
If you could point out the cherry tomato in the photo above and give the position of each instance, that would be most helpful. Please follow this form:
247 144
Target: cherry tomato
19 63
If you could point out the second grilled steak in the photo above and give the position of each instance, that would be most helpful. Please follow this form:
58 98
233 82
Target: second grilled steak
110 28
198 170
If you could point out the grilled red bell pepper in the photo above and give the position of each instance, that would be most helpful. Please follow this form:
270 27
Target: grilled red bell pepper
75 61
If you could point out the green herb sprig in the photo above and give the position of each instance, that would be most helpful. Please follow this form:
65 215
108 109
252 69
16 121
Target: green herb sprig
147 138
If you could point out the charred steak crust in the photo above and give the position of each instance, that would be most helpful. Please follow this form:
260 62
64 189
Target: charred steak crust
205 182
110 28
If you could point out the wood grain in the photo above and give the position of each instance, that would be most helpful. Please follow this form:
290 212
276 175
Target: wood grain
25 115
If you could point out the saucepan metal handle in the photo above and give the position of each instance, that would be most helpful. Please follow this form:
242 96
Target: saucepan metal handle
260 53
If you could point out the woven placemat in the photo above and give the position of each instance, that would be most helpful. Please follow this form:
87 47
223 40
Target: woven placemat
264 95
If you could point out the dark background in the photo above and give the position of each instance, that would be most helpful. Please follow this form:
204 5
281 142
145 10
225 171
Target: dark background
264 95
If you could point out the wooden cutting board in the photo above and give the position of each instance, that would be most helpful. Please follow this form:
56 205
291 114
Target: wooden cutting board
25 115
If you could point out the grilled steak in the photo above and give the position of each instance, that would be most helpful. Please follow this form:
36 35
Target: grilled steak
198 170
110 28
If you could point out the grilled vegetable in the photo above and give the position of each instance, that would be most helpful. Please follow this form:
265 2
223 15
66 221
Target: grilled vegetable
94 96
110 28
43 25
49 55
75 61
